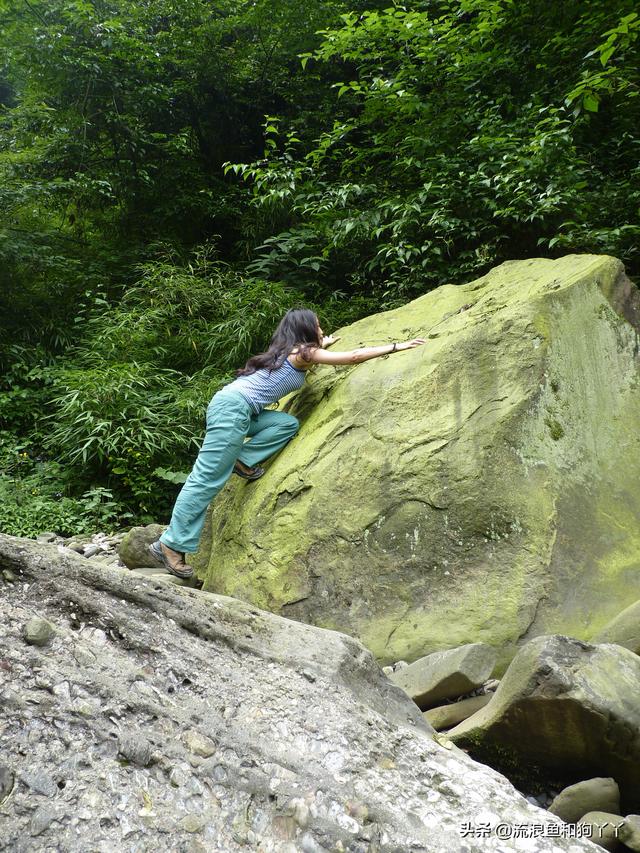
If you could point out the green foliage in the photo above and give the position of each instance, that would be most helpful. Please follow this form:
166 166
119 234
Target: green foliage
122 113
114 121
174 176
466 136
32 498
103 412
177 477
613 55
190 314
116 422
24 388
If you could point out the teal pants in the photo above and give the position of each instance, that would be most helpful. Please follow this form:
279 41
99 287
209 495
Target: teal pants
230 420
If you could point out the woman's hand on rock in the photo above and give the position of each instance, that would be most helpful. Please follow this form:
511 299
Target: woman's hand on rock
327 340
416 342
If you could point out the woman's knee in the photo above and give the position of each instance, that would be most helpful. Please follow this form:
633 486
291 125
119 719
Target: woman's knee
292 424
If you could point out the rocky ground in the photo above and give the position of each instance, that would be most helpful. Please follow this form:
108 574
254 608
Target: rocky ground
453 686
139 716
565 712
105 549
97 546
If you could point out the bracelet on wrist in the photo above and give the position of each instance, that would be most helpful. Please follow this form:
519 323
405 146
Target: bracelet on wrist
395 347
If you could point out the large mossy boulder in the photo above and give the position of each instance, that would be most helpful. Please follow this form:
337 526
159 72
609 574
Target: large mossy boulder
484 487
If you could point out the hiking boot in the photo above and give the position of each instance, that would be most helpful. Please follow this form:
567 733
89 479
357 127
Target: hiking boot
173 561
247 473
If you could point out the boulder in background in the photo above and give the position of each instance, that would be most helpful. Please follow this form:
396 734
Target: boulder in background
566 710
590 795
446 675
133 549
623 630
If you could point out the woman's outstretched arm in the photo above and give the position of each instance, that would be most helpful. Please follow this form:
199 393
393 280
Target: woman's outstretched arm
318 355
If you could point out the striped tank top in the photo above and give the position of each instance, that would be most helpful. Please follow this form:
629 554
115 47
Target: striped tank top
264 387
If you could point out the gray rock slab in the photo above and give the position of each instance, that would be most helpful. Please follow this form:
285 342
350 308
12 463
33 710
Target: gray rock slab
446 675
150 571
163 576
315 750
579 705
601 794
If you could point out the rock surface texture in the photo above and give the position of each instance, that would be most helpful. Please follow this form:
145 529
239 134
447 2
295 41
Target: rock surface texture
481 488
630 832
565 708
605 829
161 718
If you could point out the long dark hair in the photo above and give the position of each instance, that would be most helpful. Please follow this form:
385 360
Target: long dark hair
298 327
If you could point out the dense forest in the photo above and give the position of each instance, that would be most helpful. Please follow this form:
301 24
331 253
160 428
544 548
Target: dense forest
175 174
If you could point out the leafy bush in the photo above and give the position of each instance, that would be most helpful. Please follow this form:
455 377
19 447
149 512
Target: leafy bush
191 314
24 388
32 498
465 133
116 423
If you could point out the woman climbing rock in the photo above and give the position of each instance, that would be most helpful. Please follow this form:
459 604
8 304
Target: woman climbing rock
237 412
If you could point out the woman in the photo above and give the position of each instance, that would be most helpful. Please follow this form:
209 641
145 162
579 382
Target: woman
238 411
